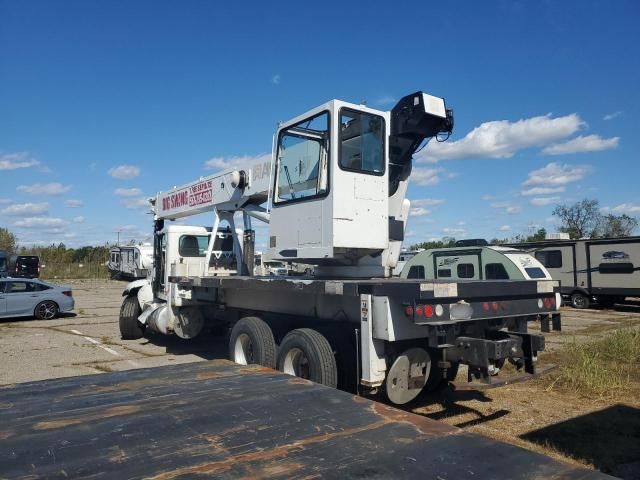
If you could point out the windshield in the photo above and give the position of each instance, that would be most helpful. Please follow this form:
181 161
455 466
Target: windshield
3 263
303 151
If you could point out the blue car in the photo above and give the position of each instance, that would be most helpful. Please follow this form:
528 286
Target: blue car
21 297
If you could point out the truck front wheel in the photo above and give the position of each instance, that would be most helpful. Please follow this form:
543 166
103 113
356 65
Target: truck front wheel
252 342
307 354
130 328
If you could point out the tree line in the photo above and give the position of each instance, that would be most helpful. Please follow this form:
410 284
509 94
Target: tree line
583 219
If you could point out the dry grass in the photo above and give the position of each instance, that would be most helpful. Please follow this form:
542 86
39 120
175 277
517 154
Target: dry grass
604 367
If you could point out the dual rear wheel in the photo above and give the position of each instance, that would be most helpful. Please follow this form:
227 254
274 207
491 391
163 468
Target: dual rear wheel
303 352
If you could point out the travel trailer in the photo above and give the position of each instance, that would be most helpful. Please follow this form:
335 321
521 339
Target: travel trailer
603 271
131 261
474 263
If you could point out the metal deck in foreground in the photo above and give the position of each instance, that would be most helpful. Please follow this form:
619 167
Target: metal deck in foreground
220 420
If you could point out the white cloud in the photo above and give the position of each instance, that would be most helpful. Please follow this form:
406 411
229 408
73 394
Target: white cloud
487 198
132 203
505 228
426 176
275 79
502 138
127 228
241 161
44 189
419 211
590 143
20 209
385 100
623 208
4 201
13 161
40 222
78 219
509 208
128 192
542 191
542 201
555 174
454 231
461 223
611 116
426 202
124 172
73 203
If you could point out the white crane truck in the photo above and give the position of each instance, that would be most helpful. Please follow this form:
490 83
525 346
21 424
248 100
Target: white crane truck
334 197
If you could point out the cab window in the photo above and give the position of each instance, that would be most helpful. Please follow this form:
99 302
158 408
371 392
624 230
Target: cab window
193 245
361 142
416 271
495 271
302 161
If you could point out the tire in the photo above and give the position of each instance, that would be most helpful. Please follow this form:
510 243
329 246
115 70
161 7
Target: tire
306 353
251 342
579 300
46 310
130 328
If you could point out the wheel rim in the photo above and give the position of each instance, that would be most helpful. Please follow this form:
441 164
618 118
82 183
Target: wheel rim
47 310
243 350
296 363
579 301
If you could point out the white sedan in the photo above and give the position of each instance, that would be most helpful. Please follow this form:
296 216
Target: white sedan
21 297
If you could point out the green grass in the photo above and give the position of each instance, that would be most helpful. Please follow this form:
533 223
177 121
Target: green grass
73 270
604 367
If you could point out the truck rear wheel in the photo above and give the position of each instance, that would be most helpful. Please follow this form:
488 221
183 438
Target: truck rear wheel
579 300
307 354
130 328
251 342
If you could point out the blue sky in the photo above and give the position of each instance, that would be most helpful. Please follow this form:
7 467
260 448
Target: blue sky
105 103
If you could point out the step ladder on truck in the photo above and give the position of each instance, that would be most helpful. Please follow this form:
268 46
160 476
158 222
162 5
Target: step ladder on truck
334 198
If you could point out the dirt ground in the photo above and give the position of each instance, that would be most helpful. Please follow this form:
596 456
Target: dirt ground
533 414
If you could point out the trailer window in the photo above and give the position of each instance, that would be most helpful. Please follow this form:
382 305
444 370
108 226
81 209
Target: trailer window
466 270
302 160
193 245
535 272
550 258
416 271
361 142
495 271
622 267
444 273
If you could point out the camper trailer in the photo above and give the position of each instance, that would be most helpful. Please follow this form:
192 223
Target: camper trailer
600 271
131 261
474 263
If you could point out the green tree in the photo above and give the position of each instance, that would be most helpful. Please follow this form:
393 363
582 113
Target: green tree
617 225
580 220
7 240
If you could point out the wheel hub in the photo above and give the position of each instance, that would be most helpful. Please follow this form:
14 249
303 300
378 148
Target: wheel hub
408 375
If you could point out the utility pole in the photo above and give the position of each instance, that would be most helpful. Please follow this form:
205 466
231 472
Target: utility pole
118 242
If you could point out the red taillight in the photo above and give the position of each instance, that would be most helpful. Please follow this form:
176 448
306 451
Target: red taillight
485 306
549 302
419 310
67 293
408 311
428 311
494 306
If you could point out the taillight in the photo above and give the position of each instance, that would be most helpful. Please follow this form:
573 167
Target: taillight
494 306
408 311
485 307
428 311
67 293
419 310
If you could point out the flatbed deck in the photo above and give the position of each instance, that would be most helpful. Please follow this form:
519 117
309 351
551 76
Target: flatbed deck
218 419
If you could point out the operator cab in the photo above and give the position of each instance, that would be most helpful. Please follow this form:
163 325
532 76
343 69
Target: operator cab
332 190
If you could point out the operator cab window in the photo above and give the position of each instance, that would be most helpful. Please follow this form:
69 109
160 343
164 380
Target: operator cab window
193 245
361 142
303 158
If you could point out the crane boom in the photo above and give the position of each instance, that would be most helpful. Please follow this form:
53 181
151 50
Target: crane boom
229 191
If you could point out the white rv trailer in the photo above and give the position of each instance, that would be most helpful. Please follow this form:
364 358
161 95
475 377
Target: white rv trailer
602 271
133 261
475 263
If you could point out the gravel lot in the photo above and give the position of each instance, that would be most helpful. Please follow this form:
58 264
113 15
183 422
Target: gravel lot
88 340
